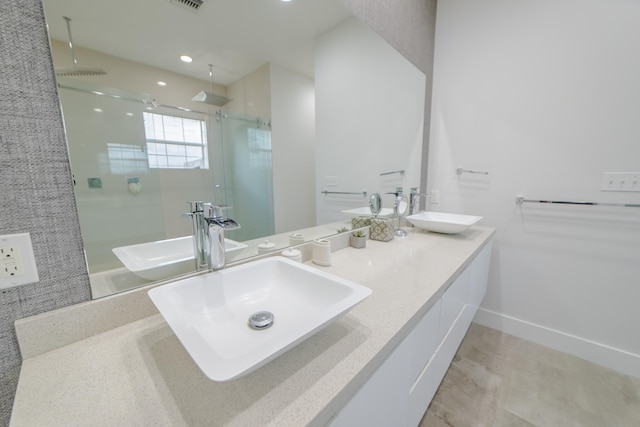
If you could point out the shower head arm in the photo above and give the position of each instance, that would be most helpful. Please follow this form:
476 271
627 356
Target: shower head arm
211 76
76 71
73 55
210 97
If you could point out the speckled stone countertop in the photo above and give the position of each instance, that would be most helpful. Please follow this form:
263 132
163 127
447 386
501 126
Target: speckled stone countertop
139 373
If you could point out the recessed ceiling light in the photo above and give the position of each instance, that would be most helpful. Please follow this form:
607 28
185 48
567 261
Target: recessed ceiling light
162 84
186 58
130 114
97 110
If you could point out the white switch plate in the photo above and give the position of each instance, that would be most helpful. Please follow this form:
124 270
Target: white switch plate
17 262
330 181
620 181
435 197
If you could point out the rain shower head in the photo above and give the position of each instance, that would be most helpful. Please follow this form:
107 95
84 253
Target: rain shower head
79 72
76 71
210 97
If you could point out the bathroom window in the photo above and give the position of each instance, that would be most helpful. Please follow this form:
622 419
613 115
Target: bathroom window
175 142
126 159
259 148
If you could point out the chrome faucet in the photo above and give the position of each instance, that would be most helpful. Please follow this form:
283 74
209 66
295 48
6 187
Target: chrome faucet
199 225
209 223
217 223
414 196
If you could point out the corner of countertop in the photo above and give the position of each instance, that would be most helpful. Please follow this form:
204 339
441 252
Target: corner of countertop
57 328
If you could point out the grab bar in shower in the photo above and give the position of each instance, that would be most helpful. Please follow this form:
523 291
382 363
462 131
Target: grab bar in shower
363 193
460 171
401 172
520 200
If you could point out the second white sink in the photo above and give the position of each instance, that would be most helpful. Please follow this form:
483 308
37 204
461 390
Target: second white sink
210 313
440 222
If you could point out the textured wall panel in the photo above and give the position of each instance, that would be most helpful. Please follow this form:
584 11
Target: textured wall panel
36 194
407 25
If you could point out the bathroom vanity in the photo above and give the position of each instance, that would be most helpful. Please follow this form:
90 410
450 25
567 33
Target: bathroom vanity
115 361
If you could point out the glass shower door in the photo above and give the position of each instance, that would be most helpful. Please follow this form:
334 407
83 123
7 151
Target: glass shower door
248 172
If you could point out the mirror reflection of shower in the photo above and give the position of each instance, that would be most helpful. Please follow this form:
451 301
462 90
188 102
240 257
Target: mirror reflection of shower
136 163
248 174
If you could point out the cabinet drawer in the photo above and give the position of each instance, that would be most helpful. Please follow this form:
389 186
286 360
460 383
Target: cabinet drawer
382 400
448 347
479 276
423 340
452 302
421 394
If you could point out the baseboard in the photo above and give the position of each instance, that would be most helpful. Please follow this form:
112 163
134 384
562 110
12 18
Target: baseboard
612 358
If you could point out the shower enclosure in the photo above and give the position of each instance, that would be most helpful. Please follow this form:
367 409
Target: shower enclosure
248 174
135 165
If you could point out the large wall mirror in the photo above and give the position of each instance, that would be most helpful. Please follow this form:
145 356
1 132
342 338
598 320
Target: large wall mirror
319 114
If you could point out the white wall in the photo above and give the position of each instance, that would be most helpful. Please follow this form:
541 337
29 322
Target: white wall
365 92
545 95
251 94
293 127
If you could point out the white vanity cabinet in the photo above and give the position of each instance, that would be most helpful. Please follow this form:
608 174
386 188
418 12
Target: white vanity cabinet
400 391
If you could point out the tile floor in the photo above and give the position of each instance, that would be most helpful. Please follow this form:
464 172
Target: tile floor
498 380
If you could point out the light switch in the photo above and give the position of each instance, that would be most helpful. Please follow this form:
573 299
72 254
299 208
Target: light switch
435 197
330 181
620 181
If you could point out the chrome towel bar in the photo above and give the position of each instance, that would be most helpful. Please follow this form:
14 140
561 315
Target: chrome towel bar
401 172
520 200
363 193
460 171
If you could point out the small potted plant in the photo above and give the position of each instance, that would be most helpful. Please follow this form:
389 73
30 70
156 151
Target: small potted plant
358 239
342 230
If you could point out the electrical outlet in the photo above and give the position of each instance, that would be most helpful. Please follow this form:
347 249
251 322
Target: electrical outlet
10 262
17 262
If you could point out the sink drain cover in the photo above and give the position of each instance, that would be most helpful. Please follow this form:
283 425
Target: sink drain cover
261 320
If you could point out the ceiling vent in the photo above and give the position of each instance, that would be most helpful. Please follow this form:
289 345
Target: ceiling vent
193 5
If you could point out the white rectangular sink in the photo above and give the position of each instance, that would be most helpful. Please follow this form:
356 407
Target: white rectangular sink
443 222
210 313
164 258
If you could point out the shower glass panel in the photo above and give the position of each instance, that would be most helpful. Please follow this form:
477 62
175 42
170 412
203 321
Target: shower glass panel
106 142
135 165
248 174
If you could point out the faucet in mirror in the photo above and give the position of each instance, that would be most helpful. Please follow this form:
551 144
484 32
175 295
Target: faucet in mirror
217 224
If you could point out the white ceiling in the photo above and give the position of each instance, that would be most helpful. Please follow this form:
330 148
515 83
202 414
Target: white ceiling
236 36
